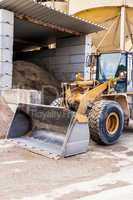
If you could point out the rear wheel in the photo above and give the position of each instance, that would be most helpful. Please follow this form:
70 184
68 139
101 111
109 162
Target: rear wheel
106 122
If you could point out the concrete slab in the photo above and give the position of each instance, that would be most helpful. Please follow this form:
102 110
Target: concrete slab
102 173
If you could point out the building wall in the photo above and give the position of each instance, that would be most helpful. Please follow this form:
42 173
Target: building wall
6 48
66 60
70 58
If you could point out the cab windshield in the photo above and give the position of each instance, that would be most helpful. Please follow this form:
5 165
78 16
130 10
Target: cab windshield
110 64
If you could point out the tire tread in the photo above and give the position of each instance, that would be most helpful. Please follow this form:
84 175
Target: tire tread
94 117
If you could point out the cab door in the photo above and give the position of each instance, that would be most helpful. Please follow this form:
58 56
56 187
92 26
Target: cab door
130 72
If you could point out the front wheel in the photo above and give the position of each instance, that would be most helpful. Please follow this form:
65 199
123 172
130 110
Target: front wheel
106 122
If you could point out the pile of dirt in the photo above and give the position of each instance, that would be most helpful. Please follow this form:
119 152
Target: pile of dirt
27 75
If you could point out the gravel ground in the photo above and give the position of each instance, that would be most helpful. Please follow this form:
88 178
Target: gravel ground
102 173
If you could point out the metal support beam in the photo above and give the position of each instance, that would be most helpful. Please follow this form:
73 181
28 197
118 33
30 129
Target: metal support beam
30 43
122 28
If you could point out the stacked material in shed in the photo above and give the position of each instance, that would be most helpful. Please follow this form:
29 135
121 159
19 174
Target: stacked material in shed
27 75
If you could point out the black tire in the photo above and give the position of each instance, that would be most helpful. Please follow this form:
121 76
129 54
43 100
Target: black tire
57 102
21 125
98 116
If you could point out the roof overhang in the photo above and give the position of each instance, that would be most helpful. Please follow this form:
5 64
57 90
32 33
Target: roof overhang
39 24
33 12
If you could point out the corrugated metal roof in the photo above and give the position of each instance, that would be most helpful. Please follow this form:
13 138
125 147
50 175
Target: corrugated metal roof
43 15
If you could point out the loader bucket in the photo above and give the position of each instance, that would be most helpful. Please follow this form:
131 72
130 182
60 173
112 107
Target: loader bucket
49 131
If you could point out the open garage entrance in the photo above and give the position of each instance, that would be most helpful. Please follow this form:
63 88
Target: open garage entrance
49 47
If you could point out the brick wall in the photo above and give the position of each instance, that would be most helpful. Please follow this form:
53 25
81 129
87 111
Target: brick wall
6 48
66 60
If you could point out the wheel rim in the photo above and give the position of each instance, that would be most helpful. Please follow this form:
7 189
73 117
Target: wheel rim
112 123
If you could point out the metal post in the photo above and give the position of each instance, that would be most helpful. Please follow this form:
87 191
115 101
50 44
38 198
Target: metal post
122 28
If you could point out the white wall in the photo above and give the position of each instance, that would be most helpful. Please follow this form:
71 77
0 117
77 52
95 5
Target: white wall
6 48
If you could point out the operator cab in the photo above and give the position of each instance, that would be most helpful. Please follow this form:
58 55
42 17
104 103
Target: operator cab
114 65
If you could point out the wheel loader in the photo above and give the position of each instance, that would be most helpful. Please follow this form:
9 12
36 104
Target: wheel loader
100 106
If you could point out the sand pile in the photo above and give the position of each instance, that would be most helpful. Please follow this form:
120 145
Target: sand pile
27 75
